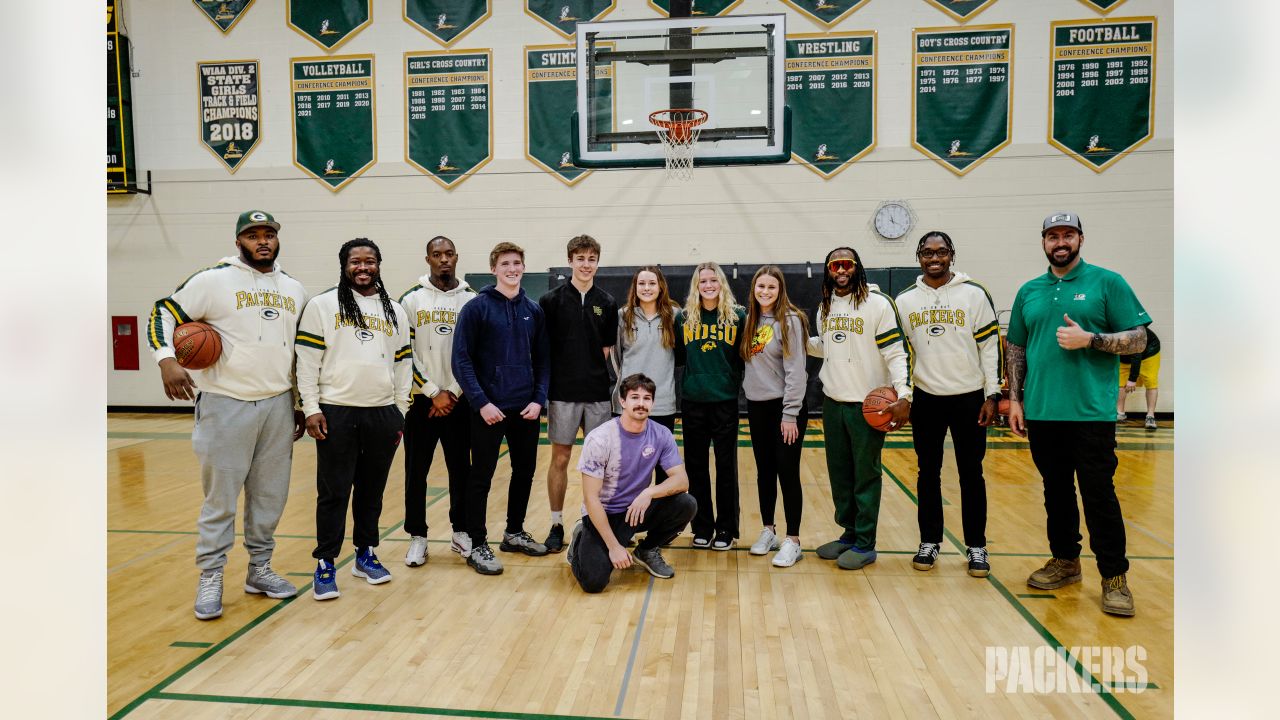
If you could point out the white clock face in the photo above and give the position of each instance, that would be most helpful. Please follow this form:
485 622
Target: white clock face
892 221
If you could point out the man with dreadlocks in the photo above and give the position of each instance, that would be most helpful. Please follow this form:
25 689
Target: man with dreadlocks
862 347
355 373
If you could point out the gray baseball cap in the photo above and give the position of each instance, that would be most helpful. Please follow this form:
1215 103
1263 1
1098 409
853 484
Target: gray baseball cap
1062 219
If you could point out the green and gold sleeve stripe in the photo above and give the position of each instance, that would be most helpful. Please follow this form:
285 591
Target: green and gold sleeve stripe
413 334
409 292
404 353
173 307
155 328
306 339
888 336
418 379
986 331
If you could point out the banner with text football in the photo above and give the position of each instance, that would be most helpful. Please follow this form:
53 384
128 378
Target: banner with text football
962 106
223 13
961 10
701 8
551 97
121 175
826 12
446 21
329 23
1103 75
1103 6
563 16
831 90
229 109
334 126
449 122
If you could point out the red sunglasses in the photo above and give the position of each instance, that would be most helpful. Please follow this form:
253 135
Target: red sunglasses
846 264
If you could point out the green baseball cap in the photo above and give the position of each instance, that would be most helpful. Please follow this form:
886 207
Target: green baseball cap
255 218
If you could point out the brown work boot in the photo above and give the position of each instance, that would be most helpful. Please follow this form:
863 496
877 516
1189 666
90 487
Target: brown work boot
1055 574
1116 598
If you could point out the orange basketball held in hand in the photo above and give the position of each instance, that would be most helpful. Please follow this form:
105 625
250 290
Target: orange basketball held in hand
196 345
877 400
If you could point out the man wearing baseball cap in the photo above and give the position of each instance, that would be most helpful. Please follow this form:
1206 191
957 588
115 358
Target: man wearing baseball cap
246 423
1066 332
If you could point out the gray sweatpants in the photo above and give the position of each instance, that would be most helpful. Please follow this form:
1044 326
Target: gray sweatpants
241 445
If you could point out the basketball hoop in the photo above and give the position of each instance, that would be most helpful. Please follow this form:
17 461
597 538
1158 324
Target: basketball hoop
679 129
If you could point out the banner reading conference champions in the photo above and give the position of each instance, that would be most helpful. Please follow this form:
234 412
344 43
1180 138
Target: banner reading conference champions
334 138
551 97
831 90
448 114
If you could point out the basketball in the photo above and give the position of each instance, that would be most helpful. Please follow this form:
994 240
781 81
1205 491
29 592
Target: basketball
877 400
196 345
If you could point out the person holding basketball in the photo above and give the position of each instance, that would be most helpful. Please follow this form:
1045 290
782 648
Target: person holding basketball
246 423
863 347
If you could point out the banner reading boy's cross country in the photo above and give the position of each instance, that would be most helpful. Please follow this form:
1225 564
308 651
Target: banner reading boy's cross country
962 109
701 8
449 117
1103 76
551 97
229 109
334 137
223 13
831 91
1103 6
961 10
563 16
329 23
827 12
446 21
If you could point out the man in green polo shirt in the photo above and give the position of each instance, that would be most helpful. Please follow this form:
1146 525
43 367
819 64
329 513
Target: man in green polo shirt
1066 332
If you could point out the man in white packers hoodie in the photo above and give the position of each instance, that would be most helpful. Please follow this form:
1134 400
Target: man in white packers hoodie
951 324
354 375
440 411
244 408
863 348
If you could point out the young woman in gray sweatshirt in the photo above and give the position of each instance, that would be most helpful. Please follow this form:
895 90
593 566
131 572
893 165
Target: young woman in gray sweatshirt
647 343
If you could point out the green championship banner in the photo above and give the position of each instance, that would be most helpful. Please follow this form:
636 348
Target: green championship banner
831 91
449 119
334 137
1103 6
563 16
1103 79
551 97
121 175
230 109
700 7
961 10
223 13
446 21
328 23
827 12
962 107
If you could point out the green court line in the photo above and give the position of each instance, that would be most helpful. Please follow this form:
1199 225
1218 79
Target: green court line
300 574
184 643
1132 686
1038 596
369 707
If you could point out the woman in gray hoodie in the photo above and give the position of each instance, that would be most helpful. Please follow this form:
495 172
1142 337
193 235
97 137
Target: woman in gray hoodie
647 343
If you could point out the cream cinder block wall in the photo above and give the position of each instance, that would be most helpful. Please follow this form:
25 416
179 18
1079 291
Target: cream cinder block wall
773 213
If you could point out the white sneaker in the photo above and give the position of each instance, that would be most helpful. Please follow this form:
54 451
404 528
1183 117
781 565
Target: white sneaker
461 544
789 555
417 554
767 541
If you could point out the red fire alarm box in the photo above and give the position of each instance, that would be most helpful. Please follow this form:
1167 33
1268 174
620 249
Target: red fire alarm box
124 342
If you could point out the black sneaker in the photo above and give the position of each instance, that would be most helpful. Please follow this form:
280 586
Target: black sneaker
652 560
555 539
702 542
724 541
925 556
978 565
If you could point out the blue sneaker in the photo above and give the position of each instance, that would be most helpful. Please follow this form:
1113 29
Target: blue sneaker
367 566
324 586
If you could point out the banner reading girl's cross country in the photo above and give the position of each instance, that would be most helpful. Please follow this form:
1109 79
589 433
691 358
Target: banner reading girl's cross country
962 110
701 8
831 91
333 117
1103 6
563 16
446 21
223 13
1103 79
827 12
230 109
329 23
961 10
551 97
449 117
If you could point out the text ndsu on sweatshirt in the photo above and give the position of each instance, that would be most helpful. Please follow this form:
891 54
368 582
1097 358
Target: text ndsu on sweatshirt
255 313
863 348
340 363
954 334
433 316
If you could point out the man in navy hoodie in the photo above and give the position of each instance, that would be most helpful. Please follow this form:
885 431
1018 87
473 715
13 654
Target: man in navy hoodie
501 359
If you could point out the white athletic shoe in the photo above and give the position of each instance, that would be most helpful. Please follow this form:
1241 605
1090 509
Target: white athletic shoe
767 541
789 555
461 544
417 554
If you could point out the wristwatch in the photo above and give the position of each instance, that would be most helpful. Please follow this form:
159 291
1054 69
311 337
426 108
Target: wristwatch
994 396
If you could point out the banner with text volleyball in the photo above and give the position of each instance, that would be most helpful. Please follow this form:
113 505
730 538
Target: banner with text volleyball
563 16
448 114
446 21
223 13
831 90
551 97
961 10
328 23
826 12
334 126
701 8
230 109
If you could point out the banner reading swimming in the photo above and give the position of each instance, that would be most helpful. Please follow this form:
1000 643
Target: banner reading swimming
551 96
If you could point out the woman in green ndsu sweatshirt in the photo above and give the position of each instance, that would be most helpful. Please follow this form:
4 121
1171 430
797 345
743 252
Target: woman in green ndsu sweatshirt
709 325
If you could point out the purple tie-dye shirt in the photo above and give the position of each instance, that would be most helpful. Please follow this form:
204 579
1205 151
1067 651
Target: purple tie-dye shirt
625 460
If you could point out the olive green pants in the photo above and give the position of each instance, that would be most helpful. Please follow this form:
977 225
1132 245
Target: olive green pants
853 466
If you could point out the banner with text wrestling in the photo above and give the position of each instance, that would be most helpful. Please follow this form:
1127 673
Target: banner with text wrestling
962 106
334 126
223 13
1102 75
551 97
329 23
446 21
563 16
230 109
826 12
449 120
708 8
831 90
961 10
1103 6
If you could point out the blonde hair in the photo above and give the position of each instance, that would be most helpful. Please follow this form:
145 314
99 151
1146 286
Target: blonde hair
725 305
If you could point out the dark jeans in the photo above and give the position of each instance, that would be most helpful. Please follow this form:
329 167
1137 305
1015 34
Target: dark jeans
421 433
777 463
522 442
664 519
853 466
1069 452
351 466
668 422
931 417
705 424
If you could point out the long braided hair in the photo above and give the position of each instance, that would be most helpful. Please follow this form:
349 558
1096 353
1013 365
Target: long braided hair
348 310
829 283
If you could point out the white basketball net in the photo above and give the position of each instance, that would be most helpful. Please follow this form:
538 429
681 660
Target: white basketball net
679 131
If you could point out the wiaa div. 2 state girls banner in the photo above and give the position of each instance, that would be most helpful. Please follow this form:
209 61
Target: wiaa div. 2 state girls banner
551 98
333 117
223 13
328 23
827 12
832 95
230 110
563 16
449 116
961 10
446 21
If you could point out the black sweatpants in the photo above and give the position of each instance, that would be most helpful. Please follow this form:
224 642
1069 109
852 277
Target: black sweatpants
522 442
421 433
777 463
351 466
931 417
705 424
664 519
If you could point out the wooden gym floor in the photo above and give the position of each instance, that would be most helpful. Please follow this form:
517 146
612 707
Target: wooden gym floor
729 637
